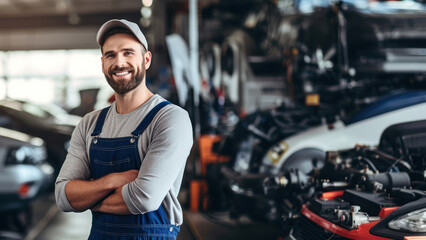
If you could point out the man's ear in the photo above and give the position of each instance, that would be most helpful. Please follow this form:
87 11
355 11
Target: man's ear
147 57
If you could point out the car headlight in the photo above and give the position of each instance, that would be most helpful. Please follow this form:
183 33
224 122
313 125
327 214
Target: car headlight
407 220
272 157
26 155
276 151
411 222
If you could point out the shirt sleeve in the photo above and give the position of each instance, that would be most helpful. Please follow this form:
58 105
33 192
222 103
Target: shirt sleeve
76 166
162 166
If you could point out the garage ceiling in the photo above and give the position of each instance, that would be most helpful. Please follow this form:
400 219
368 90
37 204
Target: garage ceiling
21 8
72 24
58 24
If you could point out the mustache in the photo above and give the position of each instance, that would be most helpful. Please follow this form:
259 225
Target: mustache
120 69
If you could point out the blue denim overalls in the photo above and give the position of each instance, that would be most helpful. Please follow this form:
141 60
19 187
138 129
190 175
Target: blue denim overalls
108 155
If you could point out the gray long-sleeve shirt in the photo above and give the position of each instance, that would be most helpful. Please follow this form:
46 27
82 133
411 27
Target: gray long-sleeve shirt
163 147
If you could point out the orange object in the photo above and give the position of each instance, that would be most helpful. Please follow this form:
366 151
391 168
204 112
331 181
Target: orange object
332 195
199 195
386 211
312 99
207 156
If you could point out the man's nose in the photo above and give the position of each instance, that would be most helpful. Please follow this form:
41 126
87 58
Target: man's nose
120 60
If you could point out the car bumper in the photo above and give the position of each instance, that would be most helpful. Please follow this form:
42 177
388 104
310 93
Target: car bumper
12 202
20 184
314 227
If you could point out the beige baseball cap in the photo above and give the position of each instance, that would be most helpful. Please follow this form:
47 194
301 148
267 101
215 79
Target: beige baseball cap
131 26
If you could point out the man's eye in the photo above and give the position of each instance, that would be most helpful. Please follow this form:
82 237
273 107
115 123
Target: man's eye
109 56
128 53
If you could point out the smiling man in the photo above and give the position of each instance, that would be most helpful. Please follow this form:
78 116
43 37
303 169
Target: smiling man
125 163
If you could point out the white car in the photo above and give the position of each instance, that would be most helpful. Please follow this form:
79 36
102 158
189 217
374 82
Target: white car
307 149
24 176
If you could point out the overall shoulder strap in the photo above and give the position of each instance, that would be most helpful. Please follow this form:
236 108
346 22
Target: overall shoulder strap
100 122
147 120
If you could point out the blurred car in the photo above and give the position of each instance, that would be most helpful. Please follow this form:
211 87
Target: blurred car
31 119
24 175
307 149
50 112
364 192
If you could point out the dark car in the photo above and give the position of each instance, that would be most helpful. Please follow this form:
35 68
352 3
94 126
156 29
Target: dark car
56 135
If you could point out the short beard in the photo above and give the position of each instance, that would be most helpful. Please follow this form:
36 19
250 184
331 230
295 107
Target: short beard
121 87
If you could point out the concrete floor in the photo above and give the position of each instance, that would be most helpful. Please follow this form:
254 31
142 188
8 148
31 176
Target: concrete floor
49 223
218 225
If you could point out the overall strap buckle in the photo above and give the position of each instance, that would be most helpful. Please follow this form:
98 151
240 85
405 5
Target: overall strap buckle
134 138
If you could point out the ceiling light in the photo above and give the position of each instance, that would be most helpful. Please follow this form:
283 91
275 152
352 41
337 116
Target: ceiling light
73 18
146 12
145 22
147 3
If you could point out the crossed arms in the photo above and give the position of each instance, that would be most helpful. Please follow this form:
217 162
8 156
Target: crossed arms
103 194
159 176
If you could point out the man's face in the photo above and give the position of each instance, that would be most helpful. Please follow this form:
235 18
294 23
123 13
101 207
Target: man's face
124 62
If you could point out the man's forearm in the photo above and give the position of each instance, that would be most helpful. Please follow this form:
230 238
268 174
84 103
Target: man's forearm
83 194
114 204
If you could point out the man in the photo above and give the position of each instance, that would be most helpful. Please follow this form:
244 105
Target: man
126 162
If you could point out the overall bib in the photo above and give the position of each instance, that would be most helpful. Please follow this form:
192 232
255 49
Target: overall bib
108 155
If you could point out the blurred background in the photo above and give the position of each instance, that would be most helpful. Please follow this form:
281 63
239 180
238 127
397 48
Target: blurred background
252 74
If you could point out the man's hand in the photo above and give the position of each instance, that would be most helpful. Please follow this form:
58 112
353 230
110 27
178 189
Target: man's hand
83 194
114 204
121 178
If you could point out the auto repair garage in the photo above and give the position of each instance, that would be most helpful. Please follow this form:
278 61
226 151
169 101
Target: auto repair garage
307 119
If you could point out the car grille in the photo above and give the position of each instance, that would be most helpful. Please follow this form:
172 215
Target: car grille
308 230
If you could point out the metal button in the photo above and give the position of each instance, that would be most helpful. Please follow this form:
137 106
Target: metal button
171 229
132 140
95 140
